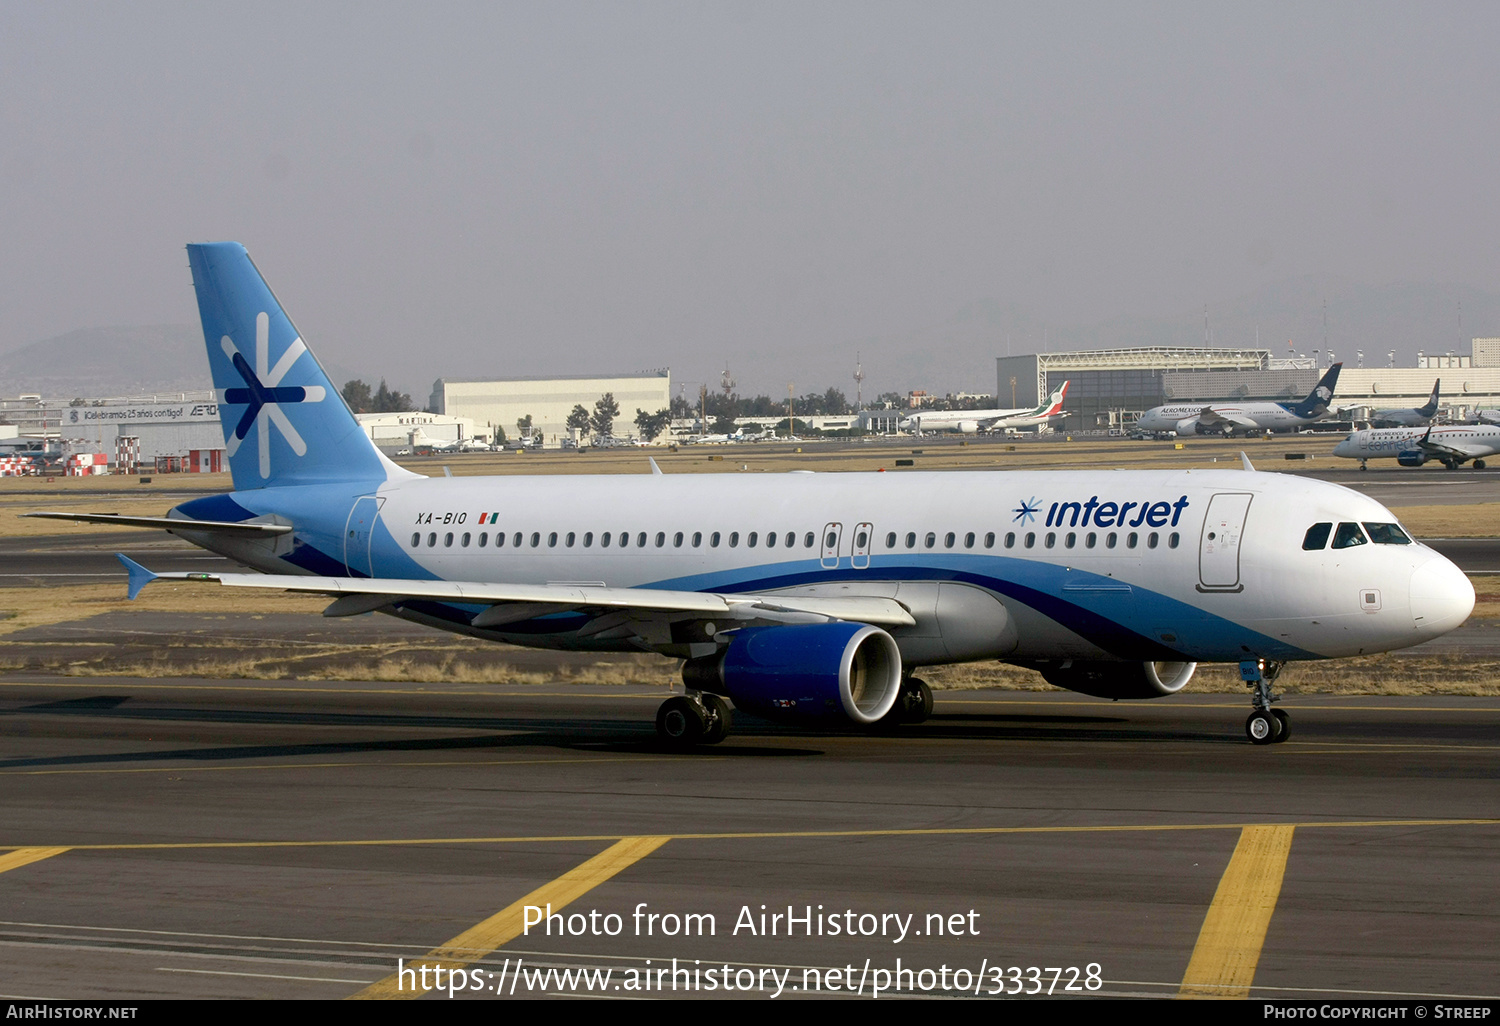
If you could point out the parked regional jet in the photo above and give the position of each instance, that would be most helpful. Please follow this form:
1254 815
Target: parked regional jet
1412 447
1419 416
812 600
970 421
1228 418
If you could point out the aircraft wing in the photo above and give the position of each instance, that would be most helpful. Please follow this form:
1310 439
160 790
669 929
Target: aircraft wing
1210 417
242 528
510 603
1454 449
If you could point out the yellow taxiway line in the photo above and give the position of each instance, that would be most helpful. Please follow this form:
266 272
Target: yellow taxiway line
1228 948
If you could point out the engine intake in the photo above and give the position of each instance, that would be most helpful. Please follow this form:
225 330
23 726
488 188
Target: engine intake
1411 457
844 672
1121 680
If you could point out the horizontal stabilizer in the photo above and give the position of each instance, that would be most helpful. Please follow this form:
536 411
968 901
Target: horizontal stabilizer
167 523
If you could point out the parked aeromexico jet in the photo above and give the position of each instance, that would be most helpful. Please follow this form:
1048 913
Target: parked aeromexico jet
1245 418
814 600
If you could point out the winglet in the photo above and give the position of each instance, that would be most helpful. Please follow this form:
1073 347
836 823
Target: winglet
654 468
139 575
1245 461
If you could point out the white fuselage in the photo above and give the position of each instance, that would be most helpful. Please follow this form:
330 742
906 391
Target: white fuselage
1198 565
1241 417
1475 440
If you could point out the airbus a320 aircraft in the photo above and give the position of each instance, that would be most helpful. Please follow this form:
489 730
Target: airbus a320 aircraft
1244 418
968 422
811 601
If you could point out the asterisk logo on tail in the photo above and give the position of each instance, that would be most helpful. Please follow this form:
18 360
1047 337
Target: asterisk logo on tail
264 395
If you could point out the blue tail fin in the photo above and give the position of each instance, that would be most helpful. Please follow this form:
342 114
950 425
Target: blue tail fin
1430 407
284 422
1317 402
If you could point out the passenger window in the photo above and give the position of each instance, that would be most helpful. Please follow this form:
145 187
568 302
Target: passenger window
661 539
431 540
989 540
1071 539
1030 539
969 540
416 539
552 539
791 538
570 539
697 539
1110 539
1173 539
1130 540
1387 534
751 539
677 540
890 540
948 540
484 538
499 539
734 538
588 539
911 539
1151 540
771 539
464 541
640 540
1316 536
861 539
1348 536
713 540
831 541
448 540
807 540
931 539
515 540
604 540
1051 539
1010 539
624 539
536 538
1090 539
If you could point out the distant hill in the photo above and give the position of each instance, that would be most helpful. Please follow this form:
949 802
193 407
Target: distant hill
101 362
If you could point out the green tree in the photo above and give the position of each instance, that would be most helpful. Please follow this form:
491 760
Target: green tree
605 412
357 394
523 426
387 401
650 425
578 420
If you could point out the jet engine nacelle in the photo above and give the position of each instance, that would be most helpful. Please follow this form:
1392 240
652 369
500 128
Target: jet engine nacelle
825 672
1121 680
1190 426
1412 457
968 427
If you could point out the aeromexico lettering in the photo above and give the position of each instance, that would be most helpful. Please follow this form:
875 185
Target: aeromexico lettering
1094 513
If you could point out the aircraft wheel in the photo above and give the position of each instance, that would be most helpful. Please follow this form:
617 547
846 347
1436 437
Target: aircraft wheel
1479 464
679 723
1283 725
1261 728
915 701
1451 464
719 720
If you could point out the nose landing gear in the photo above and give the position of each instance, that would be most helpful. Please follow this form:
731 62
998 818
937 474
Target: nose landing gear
1266 726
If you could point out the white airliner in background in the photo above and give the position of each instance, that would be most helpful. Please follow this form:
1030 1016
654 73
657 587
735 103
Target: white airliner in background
1242 418
1451 446
969 422
1419 416
808 598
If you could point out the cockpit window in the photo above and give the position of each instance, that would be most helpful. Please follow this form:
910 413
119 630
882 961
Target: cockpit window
1387 534
1348 536
1317 536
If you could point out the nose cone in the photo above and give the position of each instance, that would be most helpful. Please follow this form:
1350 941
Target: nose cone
1344 448
1441 597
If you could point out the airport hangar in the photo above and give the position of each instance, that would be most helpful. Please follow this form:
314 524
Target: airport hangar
548 401
1111 388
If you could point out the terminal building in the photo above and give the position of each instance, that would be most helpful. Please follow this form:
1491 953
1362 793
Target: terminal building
1111 388
548 401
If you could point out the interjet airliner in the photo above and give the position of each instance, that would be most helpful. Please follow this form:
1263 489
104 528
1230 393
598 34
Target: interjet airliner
807 598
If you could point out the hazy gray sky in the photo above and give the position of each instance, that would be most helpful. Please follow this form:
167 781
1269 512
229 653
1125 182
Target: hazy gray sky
507 189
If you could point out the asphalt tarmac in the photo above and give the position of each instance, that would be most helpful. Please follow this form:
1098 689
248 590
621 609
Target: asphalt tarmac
284 839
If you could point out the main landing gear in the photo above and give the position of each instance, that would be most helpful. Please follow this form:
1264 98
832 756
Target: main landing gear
696 718
913 704
1266 726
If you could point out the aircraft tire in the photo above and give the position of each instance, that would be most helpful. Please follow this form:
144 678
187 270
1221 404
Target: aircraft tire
1283 725
679 723
1261 728
719 719
913 705
1479 464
